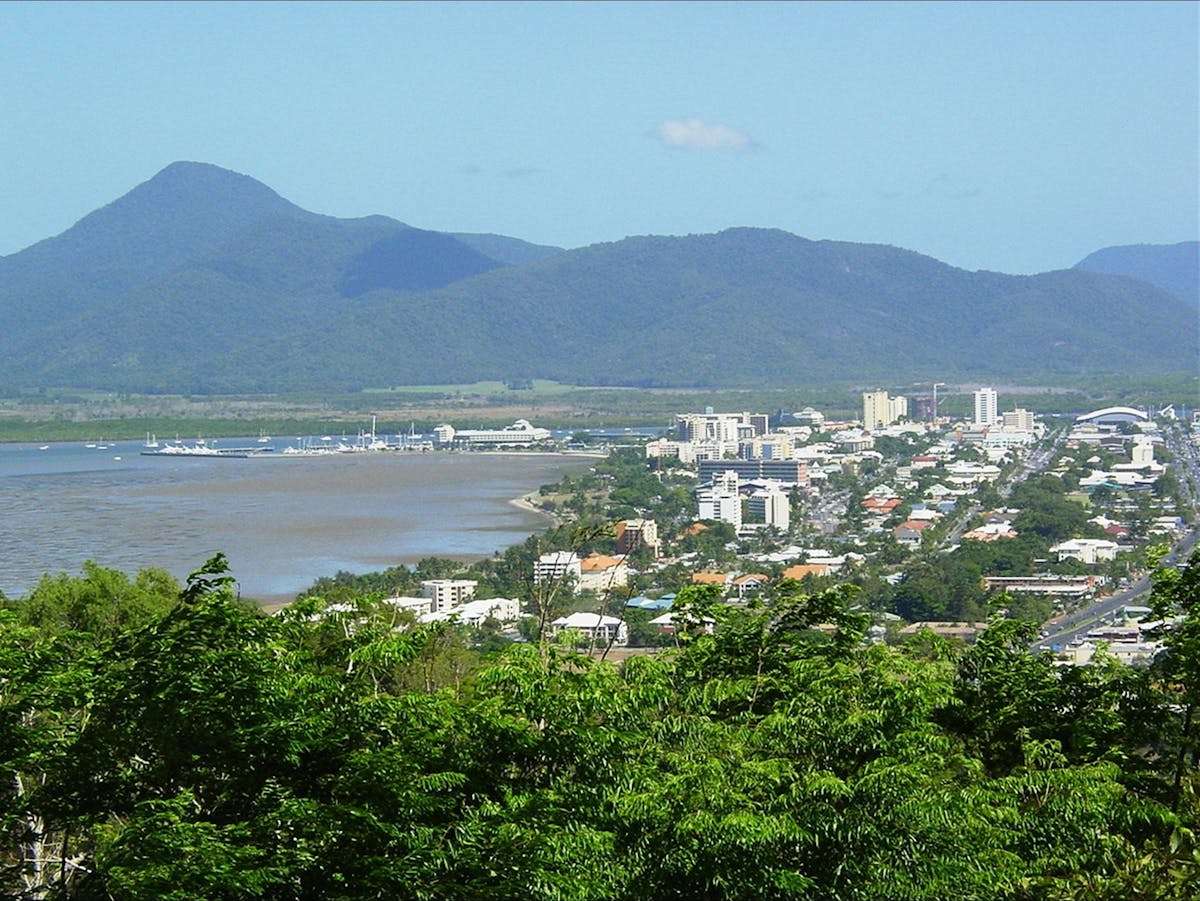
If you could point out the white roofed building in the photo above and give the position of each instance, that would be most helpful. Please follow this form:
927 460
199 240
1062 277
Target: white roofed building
593 627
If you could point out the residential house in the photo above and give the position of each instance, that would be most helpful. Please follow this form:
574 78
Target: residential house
748 583
909 532
722 579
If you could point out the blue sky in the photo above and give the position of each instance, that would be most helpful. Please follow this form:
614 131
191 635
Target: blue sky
1017 137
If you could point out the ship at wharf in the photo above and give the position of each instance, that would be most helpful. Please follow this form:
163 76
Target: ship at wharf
204 450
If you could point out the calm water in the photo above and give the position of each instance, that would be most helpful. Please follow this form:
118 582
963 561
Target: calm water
281 521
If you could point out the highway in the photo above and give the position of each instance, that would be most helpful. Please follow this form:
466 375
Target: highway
1187 465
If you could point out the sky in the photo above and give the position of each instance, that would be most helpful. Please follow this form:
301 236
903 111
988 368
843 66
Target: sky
1015 137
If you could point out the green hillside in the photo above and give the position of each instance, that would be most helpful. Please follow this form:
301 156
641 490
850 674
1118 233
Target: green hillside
1173 267
205 281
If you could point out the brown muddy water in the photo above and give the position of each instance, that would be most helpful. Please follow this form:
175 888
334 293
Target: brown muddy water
282 521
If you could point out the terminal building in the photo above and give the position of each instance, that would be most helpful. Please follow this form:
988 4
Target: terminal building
520 434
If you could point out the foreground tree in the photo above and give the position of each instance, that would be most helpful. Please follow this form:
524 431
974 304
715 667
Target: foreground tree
214 752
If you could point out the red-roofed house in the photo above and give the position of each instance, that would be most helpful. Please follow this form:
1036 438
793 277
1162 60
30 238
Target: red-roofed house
800 570
721 579
909 532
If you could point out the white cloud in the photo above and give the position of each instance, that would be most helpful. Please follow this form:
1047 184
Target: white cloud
696 134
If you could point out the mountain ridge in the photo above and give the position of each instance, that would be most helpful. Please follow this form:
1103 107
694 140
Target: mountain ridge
206 281
1173 267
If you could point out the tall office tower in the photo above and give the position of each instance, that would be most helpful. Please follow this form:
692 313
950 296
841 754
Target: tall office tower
986 408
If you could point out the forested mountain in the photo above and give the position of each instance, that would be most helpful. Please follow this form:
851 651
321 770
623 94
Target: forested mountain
1172 267
202 280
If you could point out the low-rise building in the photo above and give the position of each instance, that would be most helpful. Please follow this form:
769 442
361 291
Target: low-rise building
1086 550
800 570
749 582
600 572
909 533
593 627
477 612
1071 587
991 531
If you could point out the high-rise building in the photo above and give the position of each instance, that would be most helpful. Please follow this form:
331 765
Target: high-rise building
881 411
986 408
635 533
721 499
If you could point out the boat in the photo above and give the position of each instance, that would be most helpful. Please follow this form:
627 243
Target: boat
44 447
151 441
177 449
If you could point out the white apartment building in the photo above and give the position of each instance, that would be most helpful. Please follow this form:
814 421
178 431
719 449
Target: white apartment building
719 427
772 506
594 627
1086 550
881 411
1018 420
602 573
476 613
556 566
986 408
446 593
720 500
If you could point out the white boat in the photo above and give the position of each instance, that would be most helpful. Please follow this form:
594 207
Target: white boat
44 447
151 441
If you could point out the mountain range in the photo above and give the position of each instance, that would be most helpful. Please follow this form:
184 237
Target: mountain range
202 280
1173 267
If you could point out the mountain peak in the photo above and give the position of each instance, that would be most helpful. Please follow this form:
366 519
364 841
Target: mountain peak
188 208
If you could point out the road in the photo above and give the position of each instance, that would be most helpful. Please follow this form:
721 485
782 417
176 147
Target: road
1078 624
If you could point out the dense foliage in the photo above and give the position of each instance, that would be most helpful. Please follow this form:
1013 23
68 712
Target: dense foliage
205 750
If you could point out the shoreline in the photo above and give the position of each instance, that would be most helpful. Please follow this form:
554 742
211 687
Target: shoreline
290 525
525 502
275 602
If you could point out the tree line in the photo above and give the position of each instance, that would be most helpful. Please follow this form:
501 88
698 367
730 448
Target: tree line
171 742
